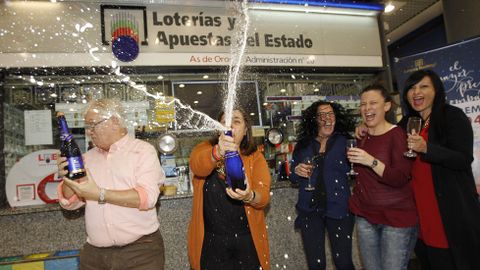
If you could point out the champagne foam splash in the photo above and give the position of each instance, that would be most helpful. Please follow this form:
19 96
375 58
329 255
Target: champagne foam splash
237 51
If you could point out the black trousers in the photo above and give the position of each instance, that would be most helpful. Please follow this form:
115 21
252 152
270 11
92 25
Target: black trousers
147 253
312 228
434 258
228 252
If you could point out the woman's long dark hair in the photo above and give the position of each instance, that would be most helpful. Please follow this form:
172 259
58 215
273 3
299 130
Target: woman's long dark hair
437 117
309 127
247 146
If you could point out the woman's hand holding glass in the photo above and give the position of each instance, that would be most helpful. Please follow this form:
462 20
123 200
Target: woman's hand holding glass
417 143
359 156
305 170
414 125
351 143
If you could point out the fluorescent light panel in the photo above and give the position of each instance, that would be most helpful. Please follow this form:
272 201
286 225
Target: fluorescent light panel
326 3
312 9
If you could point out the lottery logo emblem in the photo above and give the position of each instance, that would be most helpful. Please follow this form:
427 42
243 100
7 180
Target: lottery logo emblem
125 37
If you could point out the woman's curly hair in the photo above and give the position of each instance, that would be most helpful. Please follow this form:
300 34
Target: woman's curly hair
344 123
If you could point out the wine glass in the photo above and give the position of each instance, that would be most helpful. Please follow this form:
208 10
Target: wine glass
350 144
310 162
414 125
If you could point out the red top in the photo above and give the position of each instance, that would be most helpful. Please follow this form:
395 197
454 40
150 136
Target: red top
431 226
386 199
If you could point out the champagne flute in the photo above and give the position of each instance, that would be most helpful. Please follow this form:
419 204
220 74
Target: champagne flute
309 161
351 143
414 124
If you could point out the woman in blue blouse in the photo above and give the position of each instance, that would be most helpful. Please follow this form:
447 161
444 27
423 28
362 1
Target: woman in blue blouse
322 137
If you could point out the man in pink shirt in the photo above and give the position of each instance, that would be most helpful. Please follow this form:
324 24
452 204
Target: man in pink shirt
119 193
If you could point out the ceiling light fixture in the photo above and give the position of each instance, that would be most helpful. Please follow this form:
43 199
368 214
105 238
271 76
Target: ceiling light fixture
389 8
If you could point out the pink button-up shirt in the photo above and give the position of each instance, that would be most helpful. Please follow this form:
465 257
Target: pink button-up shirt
130 163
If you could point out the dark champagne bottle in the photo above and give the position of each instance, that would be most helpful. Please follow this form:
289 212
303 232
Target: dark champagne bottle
69 149
234 168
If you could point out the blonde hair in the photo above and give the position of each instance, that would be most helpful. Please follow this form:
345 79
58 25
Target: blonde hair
108 108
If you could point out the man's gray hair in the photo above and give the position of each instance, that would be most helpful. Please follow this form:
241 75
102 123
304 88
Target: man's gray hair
107 108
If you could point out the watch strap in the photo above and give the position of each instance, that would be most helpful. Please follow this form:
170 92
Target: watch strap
101 197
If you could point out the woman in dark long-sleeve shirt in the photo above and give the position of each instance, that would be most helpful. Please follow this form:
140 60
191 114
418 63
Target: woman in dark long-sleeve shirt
382 199
322 135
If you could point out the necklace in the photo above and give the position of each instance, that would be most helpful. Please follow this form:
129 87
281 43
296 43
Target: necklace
427 122
220 168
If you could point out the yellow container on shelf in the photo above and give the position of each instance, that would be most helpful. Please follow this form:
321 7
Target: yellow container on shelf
168 190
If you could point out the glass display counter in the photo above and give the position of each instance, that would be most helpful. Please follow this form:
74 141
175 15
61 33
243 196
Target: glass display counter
182 104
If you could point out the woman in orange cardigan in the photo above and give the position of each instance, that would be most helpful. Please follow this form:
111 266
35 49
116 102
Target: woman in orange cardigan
228 229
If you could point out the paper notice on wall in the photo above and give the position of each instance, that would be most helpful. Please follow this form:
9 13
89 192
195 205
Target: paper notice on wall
38 127
26 192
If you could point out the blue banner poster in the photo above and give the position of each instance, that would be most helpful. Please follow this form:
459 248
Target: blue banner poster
458 66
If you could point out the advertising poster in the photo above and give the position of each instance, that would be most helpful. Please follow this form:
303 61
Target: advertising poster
33 180
459 68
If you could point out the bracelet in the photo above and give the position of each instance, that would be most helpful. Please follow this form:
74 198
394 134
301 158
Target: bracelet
215 155
251 199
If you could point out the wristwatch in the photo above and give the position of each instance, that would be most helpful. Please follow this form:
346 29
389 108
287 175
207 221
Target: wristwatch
101 197
374 163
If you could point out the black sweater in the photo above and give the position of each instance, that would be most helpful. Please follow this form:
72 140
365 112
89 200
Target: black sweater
451 155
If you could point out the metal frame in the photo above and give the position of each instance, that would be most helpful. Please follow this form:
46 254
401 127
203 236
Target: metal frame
173 83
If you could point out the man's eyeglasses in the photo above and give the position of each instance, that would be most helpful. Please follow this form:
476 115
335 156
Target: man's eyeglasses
325 114
93 125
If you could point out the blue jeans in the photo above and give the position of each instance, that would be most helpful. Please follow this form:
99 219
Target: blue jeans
384 247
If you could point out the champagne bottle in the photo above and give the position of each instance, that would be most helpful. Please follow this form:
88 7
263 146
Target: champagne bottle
234 168
69 149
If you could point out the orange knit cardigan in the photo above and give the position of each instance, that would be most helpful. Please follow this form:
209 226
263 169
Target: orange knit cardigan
258 176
